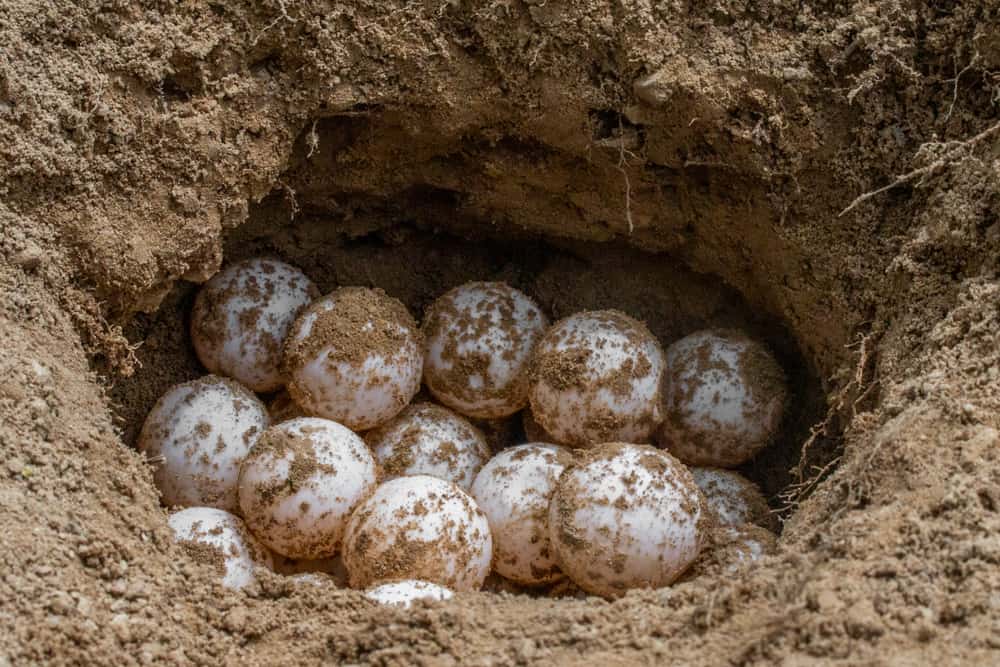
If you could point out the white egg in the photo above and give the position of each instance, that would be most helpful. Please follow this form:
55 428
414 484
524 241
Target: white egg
354 356
405 593
626 516
300 482
427 439
597 379
241 317
733 498
196 437
723 398
514 490
219 539
479 339
418 527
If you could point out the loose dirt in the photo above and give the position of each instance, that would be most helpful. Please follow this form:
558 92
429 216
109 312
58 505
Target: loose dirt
556 145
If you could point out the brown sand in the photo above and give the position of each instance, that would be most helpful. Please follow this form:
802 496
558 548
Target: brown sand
137 143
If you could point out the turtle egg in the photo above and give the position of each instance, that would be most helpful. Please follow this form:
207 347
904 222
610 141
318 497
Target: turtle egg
354 356
626 516
723 398
241 317
479 341
299 483
514 490
418 527
197 435
597 379
733 498
406 592
426 439
217 538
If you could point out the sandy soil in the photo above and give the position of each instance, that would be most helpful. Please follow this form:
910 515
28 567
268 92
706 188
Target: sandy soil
140 143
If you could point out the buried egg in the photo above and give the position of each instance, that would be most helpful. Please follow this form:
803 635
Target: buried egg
723 397
300 482
217 538
196 437
241 317
426 439
626 516
354 356
418 527
597 379
405 593
734 498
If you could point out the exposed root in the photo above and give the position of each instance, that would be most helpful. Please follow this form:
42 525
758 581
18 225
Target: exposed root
953 150
852 395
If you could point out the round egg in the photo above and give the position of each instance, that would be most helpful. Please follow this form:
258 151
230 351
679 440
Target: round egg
241 317
418 527
597 379
626 516
300 482
479 339
723 397
426 439
354 356
514 490
405 593
196 437
220 540
734 498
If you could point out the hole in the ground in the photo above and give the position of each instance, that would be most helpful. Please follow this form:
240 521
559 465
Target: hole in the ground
418 237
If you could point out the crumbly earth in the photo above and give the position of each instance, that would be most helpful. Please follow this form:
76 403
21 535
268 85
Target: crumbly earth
137 142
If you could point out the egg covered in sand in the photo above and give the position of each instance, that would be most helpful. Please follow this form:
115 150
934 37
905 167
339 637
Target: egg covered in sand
354 356
300 482
734 498
241 317
427 439
418 527
596 378
405 593
723 397
219 539
479 339
626 516
196 437
514 490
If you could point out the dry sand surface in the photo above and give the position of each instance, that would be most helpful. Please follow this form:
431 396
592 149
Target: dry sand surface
557 146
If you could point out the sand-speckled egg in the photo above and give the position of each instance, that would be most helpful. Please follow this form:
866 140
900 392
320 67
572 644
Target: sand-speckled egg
300 482
626 516
196 437
241 317
418 527
596 378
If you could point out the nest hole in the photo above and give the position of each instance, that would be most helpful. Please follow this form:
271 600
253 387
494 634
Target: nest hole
367 202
